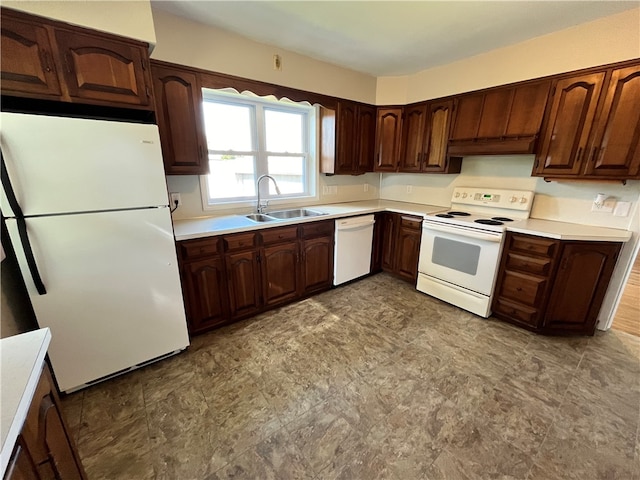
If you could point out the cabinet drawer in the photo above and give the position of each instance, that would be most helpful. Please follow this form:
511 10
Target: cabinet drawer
200 248
535 245
514 311
240 241
276 235
522 288
316 229
539 266
411 222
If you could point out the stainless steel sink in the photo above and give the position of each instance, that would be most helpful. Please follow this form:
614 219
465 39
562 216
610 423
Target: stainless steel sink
260 217
295 213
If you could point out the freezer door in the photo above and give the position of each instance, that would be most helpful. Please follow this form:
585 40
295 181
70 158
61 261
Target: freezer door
113 292
63 165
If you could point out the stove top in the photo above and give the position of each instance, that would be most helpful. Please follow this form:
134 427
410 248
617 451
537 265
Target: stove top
485 209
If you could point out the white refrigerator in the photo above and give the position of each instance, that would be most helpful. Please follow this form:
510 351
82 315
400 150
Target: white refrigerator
86 209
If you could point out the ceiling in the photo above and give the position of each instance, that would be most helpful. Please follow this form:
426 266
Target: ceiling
392 37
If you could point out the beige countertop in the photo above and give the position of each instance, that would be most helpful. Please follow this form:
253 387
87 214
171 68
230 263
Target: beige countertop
216 225
208 226
22 359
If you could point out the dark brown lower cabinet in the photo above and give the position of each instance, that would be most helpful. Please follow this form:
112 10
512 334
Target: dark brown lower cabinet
235 276
280 273
553 286
204 280
317 264
45 448
243 277
579 286
398 248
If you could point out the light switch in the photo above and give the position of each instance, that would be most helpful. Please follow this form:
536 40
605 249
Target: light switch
622 209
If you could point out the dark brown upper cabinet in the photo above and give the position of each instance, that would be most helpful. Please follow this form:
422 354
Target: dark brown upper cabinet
347 138
502 120
425 136
592 129
388 139
180 120
45 59
27 58
107 70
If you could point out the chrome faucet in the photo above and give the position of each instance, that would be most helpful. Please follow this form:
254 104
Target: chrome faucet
264 203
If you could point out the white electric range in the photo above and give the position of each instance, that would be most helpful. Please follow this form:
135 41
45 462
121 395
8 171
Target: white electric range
461 247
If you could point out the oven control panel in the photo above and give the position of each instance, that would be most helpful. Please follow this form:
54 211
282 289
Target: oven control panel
511 199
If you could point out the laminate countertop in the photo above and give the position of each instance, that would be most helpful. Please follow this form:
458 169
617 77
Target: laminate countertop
22 358
201 227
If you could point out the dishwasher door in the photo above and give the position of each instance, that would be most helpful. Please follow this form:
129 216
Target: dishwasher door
352 252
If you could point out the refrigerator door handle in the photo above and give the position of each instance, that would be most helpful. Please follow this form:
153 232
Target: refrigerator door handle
22 227
8 188
28 253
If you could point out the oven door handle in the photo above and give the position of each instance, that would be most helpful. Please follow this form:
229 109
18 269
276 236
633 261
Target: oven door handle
465 232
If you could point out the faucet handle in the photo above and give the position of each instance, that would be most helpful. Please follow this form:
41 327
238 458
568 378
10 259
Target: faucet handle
262 205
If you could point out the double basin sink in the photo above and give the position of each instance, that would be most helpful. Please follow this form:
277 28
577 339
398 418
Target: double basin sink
283 215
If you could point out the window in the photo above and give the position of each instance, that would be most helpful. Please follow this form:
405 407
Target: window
248 137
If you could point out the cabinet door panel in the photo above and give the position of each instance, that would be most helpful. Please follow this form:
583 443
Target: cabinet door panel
579 287
413 126
27 60
179 114
346 138
437 140
615 150
495 113
388 241
244 282
104 70
569 122
407 254
206 292
367 138
527 109
279 273
317 264
467 119
388 139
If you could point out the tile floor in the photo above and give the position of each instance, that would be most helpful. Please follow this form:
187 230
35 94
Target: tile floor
372 380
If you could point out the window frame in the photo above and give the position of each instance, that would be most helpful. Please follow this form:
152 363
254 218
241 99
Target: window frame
258 107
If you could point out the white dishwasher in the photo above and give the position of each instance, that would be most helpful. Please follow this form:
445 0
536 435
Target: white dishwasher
352 251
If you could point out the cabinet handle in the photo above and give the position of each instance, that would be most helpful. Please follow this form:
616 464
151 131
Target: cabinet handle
200 151
578 155
418 157
380 155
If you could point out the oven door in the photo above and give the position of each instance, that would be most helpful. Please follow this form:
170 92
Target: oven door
463 256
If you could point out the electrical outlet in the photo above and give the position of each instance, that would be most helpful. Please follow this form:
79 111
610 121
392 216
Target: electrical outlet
409 188
607 206
366 187
175 197
333 189
325 190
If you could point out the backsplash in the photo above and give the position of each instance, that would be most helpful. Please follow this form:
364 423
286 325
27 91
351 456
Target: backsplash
331 189
566 201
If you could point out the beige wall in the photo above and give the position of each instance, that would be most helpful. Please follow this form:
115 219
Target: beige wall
190 43
126 18
607 40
